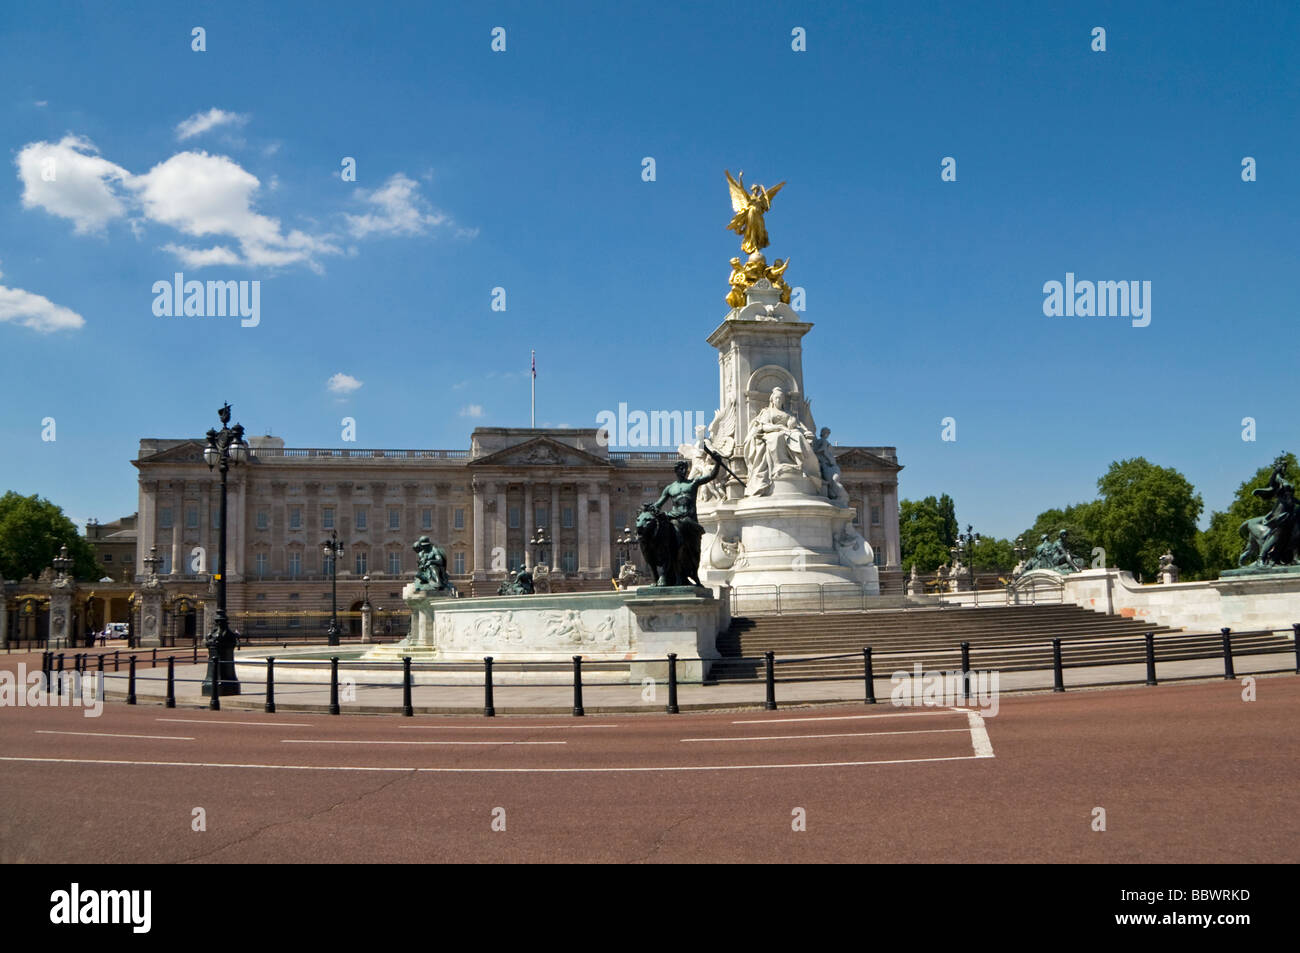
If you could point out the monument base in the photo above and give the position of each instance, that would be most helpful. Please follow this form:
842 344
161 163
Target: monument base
639 627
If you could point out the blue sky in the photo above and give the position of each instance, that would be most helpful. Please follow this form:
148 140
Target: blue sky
522 169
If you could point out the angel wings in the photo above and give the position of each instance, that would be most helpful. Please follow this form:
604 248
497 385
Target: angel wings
749 208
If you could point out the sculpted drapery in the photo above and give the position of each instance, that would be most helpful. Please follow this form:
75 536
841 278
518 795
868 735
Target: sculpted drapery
778 445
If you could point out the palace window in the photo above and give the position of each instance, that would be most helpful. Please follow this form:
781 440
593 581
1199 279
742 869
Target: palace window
361 563
394 518
260 564
295 565
329 566
327 517
263 519
569 561
540 516
459 521
515 559
191 517
458 563
165 517
566 517
295 517
426 518
166 564
878 557
875 516
216 517
359 517
395 563
512 517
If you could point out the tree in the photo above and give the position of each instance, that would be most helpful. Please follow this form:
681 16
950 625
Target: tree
927 529
1079 522
31 531
994 554
1144 510
1221 544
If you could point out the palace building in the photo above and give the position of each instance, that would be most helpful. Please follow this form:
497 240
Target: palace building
484 506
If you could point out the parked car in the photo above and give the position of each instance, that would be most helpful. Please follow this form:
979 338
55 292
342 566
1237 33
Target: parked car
116 630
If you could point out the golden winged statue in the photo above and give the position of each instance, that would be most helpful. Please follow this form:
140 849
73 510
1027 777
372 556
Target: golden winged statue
749 208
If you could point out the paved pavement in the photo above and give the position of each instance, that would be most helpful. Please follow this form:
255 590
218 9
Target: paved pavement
1184 772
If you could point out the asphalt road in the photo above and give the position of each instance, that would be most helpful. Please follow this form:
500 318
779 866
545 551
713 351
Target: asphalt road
1183 773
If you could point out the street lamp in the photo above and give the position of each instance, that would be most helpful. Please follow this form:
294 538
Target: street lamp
332 549
625 541
541 539
224 447
966 544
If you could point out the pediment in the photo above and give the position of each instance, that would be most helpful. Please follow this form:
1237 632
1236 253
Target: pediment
542 452
856 458
190 451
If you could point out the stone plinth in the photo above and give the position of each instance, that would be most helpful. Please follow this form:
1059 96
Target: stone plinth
60 615
616 626
150 631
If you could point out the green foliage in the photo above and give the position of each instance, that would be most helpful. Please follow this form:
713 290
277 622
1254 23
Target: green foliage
927 529
1079 522
1145 509
1221 543
31 532
992 553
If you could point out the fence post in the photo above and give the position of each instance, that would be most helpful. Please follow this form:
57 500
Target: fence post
1058 678
47 668
130 688
334 684
100 666
407 710
1295 640
489 708
214 672
1151 658
578 710
171 683
672 684
1228 671
269 708
154 663
195 660
117 661
868 676
770 677
965 671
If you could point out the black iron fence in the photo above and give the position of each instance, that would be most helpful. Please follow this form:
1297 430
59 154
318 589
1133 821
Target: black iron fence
958 665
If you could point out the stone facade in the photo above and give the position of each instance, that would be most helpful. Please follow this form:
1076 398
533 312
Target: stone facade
483 506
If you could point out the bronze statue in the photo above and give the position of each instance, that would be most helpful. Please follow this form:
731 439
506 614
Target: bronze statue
670 541
520 585
750 207
1274 538
431 567
1055 556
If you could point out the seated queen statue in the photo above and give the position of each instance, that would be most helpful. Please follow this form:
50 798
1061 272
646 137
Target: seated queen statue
777 446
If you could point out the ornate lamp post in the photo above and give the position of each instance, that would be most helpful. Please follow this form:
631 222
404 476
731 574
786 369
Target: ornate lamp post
62 562
625 541
966 544
224 447
332 549
540 541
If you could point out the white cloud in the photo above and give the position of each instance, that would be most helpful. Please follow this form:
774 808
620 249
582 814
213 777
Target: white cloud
398 209
472 410
343 384
200 194
70 180
36 312
200 123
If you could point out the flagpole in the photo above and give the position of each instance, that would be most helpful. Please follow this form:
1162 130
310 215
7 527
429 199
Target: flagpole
534 402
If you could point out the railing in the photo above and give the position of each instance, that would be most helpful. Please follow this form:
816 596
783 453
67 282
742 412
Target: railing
1036 590
649 456
1176 647
360 453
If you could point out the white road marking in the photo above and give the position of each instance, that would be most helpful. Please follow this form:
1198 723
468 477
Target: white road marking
979 735
896 714
359 741
106 734
417 770
835 734
217 721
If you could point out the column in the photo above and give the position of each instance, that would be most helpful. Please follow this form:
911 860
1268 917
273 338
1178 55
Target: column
207 536
890 518
501 525
178 526
150 631
584 558
607 567
480 541
60 615
555 526
527 524
147 528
